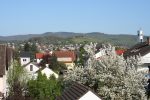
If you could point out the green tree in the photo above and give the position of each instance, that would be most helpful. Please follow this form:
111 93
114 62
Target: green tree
31 48
82 56
53 63
16 54
43 88
16 79
27 47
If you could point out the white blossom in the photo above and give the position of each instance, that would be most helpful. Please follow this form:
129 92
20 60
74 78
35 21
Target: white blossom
112 76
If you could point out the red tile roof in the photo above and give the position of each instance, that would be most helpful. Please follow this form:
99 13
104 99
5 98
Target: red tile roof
65 54
120 52
39 55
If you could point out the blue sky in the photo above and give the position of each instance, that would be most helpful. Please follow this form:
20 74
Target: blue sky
108 16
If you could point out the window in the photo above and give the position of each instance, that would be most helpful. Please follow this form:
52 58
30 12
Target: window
31 67
24 59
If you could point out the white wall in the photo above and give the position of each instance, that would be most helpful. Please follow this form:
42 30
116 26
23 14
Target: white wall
64 59
90 96
143 69
146 58
38 60
70 65
35 68
3 84
99 54
24 62
48 72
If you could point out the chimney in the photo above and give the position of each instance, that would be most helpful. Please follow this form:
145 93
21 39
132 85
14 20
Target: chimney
47 65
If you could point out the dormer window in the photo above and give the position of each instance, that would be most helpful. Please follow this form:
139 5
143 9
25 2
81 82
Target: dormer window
24 59
31 67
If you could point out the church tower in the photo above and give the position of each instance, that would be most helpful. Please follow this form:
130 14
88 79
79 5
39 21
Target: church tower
140 35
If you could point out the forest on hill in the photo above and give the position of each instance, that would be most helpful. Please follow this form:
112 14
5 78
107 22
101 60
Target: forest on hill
70 37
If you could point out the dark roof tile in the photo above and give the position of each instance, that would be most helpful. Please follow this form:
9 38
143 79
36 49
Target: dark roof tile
9 57
1 94
25 54
74 92
6 55
139 49
2 59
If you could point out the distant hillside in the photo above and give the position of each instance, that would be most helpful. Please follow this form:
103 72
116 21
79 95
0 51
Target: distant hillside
62 34
28 36
49 40
121 40
70 37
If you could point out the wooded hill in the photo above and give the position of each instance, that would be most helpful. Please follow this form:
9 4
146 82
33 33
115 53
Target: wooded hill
70 37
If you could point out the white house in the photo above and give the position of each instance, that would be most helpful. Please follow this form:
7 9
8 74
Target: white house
99 54
145 59
25 58
6 55
142 49
32 68
48 72
78 92
45 70
89 96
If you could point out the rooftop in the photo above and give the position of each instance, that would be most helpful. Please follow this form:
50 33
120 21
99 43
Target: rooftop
65 54
75 92
25 54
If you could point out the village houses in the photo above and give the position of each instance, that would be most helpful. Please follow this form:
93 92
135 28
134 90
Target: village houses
32 67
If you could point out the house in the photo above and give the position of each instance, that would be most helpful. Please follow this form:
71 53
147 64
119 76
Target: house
78 92
102 52
99 54
25 58
47 71
142 49
66 57
32 68
6 57
39 57
120 52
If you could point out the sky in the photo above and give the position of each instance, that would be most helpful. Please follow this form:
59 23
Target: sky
83 16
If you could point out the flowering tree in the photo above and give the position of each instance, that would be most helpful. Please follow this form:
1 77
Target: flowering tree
111 76
17 78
